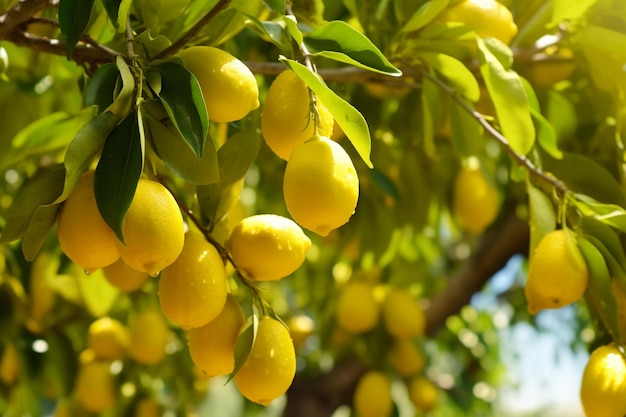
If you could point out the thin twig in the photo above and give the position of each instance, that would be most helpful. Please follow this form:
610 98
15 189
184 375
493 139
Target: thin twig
130 39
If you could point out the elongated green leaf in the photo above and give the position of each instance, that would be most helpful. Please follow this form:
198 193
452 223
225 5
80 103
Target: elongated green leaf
424 15
455 72
546 136
609 214
339 41
40 224
349 119
87 143
101 86
245 343
73 19
542 215
271 31
112 7
569 10
122 14
150 44
118 171
510 101
429 105
124 101
467 133
182 99
607 236
615 268
39 191
277 6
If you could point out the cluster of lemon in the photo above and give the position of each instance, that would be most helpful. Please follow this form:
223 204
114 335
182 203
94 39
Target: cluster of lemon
360 307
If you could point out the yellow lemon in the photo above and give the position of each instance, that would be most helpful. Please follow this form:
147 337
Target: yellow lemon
83 234
229 88
212 346
95 388
107 338
125 278
423 394
300 328
192 291
476 202
487 18
287 119
557 273
357 308
9 365
402 314
153 229
372 396
42 296
604 383
149 336
267 247
321 186
271 366
405 358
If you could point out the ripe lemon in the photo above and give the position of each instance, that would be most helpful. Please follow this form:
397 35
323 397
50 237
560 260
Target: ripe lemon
357 308
192 291
107 338
153 229
83 234
267 247
300 328
557 273
286 119
149 335
271 366
402 314
476 202
321 186
125 278
604 383
212 346
372 396
423 394
487 18
9 365
405 358
95 388
229 88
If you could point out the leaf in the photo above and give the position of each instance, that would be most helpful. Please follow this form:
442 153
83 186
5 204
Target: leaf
152 45
40 224
97 293
123 14
40 190
569 10
123 103
118 171
271 31
112 7
546 137
466 132
609 214
510 101
245 343
429 98
542 215
73 20
101 87
87 143
182 99
424 15
341 42
349 119
607 236
277 6
454 71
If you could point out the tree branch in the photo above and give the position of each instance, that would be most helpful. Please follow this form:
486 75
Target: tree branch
19 14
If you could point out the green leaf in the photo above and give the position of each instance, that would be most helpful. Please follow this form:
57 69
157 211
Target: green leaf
542 215
73 20
467 133
341 42
349 119
615 268
424 15
97 293
455 72
101 87
118 171
609 214
510 101
123 14
40 190
112 7
40 224
277 6
123 103
607 236
150 44
569 10
430 101
271 31
182 99
245 343
87 143
546 136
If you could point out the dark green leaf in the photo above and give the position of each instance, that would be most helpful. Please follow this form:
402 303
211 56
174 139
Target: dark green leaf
339 41
112 7
271 31
455 72
118 171
277 6
73 19
101 87
40 224
182 99
245 343
349 119
615 268
607 236
424 15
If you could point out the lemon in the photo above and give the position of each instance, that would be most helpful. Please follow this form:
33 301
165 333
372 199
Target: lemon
604 383
321 186
107 338
405 358
300 328
149 336
125 278
476 202
192 291
267 247
83 234
43 297
286 119
153 229
212 346
557 273
487 18
372 396
95 388
357 308
423 394
229 88
9 365
402 314
271 366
